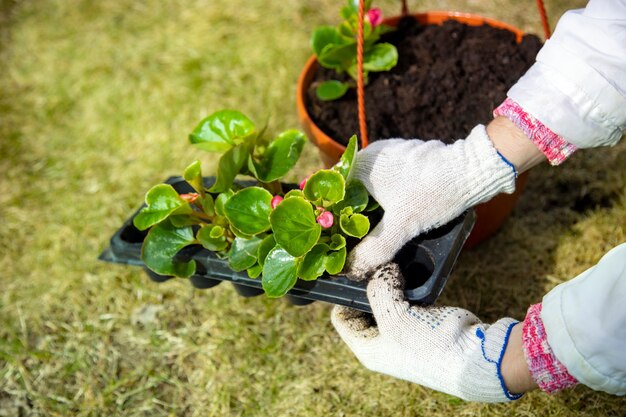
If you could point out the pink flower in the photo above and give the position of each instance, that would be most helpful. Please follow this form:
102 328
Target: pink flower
326 219
303 183
374 16
277 199
189 197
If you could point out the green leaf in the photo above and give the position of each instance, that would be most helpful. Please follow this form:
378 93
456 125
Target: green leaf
255 271
344 166
279 272
249 210
322 36
243 253
337 242
280 156
381 57
335 261
325 187
265 247
294 226
212 238
356 197
161 246
183 220
161 201
314 263
208 205
372 205
230 165
331 90
356 225
221 199
337 57
193 175
294 193
239 233
221 131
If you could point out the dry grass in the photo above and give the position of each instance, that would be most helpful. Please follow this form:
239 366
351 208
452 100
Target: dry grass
96 100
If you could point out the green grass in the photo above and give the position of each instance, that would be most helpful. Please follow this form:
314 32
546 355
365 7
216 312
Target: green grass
96 100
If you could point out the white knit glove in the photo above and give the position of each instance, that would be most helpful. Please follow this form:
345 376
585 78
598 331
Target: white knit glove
422 185
444 348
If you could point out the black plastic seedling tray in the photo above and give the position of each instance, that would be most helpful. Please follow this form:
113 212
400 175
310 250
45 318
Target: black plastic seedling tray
426 262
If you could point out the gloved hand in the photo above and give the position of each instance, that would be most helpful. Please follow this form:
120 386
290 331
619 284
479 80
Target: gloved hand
445 348
422 185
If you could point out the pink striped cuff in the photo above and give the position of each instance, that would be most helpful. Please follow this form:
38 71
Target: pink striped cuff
553 146
549 374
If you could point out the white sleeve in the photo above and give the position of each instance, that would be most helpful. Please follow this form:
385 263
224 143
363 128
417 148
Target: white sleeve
585 321
577 87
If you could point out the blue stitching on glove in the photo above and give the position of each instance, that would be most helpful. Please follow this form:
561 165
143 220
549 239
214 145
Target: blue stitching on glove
481 335
506 161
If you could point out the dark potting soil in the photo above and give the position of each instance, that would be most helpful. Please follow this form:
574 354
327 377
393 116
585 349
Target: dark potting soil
448 79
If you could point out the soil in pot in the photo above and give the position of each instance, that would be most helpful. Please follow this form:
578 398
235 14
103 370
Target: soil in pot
449 78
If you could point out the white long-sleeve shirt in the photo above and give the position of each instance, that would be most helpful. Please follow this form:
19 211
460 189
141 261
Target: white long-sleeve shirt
577 88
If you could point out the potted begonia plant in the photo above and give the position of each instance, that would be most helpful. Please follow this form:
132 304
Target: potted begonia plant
452 69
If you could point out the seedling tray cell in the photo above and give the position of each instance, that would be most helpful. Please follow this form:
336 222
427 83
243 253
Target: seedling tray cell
426 262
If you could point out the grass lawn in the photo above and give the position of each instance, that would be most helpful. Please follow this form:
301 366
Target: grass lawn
96 100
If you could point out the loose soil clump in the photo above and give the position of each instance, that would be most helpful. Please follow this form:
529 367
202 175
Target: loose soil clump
449 78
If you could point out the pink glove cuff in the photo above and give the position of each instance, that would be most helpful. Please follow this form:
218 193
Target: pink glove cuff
553 146
549 374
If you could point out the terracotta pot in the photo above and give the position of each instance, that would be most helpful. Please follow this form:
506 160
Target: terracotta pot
490 215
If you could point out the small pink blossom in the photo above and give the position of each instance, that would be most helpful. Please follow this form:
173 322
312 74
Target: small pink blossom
374 16
189 197
303 182
277 199
326 219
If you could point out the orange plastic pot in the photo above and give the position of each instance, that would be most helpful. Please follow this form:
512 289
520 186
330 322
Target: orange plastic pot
490 215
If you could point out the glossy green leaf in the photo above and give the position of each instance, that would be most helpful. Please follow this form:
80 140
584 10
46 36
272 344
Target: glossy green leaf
322 36
294 226
356 225
314 263
356 197
243 253
294 193
221 131
183 220
335 261
265 247
325 187
239 233
344 166
337 242
193 175
381 57
161 246
279 272
221 199
212 238
249 210
229 166
281 155
161 201
255 271
208 205
372 205
337 57
331 90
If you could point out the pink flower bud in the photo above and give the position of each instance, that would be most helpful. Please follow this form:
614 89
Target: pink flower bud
277 199
326 219
189 197
303 183
374 16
